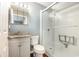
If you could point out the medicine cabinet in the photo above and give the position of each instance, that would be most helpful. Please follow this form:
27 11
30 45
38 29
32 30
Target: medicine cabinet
18 15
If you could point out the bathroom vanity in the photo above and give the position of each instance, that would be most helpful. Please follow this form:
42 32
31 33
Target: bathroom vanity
19 46
19 42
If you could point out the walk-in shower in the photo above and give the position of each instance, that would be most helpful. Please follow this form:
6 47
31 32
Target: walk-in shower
60 18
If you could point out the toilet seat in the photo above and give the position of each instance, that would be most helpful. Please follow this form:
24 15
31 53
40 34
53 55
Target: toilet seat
39 49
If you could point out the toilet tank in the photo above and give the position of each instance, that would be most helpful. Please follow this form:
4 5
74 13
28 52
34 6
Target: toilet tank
34 40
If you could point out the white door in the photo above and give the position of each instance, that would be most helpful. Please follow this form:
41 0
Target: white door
3 29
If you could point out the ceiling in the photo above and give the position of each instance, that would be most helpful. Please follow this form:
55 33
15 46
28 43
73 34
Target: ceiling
63 5
59 6
46 4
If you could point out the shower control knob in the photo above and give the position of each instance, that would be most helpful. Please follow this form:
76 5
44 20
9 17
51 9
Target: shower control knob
50 48
48 29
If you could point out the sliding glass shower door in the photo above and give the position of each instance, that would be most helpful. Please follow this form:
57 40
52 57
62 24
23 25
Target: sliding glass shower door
48 31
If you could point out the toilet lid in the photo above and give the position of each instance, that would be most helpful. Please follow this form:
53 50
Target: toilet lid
39 49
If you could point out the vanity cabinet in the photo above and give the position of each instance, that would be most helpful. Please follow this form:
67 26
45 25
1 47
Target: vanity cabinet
19 47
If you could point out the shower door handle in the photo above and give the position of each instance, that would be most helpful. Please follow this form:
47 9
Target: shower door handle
19 45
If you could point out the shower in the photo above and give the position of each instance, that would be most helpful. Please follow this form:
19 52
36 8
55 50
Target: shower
59 19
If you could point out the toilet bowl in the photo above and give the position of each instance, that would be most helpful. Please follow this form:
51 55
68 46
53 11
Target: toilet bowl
38 49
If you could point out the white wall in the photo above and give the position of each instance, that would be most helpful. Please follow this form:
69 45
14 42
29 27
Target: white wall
67 23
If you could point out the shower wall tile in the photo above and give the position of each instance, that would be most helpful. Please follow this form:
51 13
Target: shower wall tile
67 24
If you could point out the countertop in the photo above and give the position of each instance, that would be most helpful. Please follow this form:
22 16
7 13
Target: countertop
18 36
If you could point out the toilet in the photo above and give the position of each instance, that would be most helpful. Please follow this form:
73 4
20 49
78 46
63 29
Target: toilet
38 50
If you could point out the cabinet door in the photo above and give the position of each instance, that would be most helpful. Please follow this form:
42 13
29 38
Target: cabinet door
25 47
14 48
19 47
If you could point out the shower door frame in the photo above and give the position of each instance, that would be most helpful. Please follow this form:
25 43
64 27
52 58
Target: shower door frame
41 22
